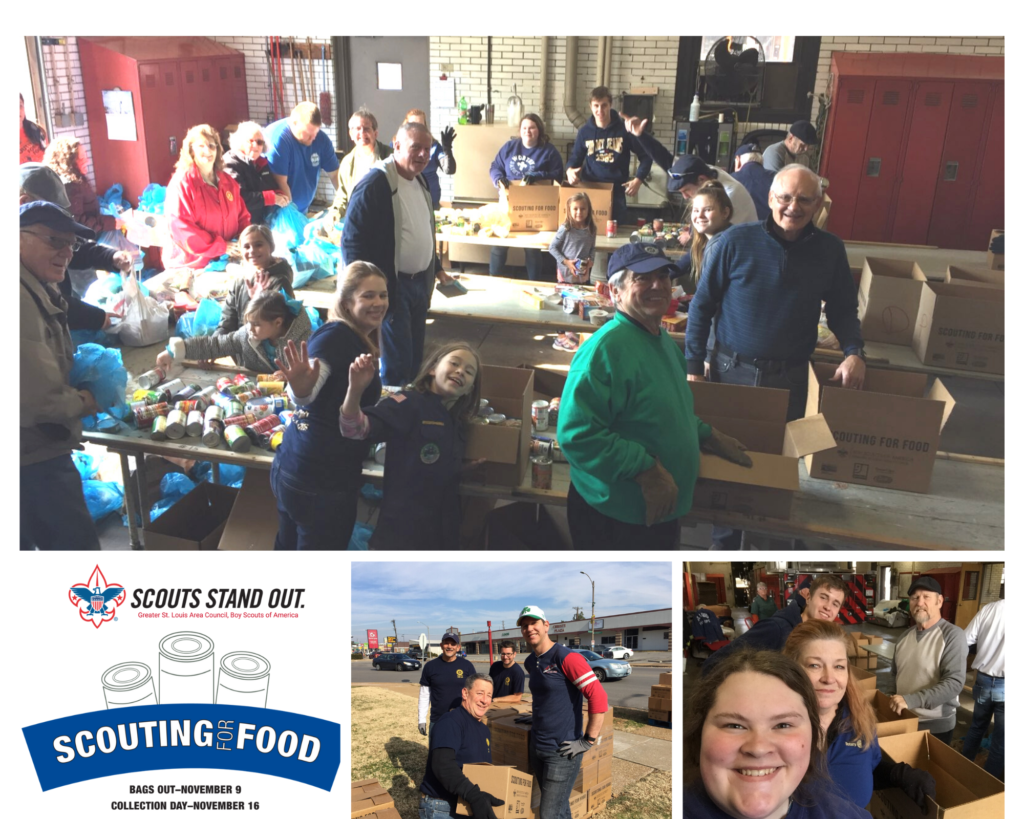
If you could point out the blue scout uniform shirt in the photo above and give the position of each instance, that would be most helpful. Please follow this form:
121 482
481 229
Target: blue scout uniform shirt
467 736
852 766
507 681
301 164
421 472
445 681
557 702
824 803
313 449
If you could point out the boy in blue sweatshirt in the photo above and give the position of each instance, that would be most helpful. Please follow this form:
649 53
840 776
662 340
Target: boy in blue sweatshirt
601 153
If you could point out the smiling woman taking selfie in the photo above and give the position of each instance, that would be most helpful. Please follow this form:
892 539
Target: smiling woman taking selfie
753 730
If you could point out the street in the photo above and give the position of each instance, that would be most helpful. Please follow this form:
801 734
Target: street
631 692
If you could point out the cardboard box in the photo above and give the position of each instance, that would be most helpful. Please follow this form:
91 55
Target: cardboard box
604 749
887 433
996 261
503 782
757 417
963 790
664 691
658 704
512 737
600 194
387 813
496 712
980 276
888 299
665 679
868 663
578 804
532 207
889 723
660 716
866 680
961 327
864 658
196 522
587 778
510 391
252 524
599 795
369 797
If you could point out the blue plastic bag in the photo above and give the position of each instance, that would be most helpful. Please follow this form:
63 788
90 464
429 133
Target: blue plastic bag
183 326
173 487
360 540
100 371
288 226
311 262
207 318
102 498
230 475
85 464
151 200
315 321
113 201
218 264
116 239
80 337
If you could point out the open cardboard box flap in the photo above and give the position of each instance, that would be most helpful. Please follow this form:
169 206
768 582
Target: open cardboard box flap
805 436
938 392
770 471
733 401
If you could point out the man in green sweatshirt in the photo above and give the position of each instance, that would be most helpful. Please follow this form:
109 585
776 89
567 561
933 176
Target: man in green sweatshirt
761 605
626 424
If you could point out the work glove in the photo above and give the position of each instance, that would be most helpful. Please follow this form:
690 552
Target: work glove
914 782
529 179
423 728
723 446
503 181
447 136
659 491
571 749
525 719
482 804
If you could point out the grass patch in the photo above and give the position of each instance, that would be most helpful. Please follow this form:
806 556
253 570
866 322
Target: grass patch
650 798
630 726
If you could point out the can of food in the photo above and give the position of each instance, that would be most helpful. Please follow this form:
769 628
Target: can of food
137 405
541 469
611 228
275 440
232 408
213 431
286 417
146 414
184 393
658 225
271 387
151 378
640 221
246 397
186 406
265 424
205 397
236 439
172 387
127 684
540 448
556 454
241 378
261 377
158 432
540 415
149 396
244 679
495 418
176 421
243 419
186 668
223 383
194 425
556 402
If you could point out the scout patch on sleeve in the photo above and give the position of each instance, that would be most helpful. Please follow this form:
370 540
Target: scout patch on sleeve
430 453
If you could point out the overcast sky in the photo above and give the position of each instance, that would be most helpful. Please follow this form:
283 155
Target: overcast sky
467 595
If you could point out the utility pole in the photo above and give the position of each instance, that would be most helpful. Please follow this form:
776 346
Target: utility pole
591 609
393 626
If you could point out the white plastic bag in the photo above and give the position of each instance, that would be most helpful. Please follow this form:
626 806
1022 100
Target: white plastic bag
145 320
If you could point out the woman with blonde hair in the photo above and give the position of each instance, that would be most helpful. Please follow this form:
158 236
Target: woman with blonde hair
245 163
849 739
70 161
317 472
204 205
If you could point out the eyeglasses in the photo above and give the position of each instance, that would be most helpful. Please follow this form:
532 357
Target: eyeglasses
787 199
56 242
259 142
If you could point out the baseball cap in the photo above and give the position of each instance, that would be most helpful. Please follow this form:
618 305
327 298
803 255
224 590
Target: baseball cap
533 612
451 635
639 258
41 180
686 170
804 131
748 148
52 216
927 583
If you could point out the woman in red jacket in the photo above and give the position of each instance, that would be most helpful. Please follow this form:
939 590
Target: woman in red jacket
33 138
204 205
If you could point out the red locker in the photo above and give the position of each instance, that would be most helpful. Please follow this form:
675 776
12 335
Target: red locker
910 151
176 82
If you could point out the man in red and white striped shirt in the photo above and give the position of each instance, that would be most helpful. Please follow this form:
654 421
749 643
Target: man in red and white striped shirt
559 680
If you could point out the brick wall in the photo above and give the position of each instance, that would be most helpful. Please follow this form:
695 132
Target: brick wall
56 60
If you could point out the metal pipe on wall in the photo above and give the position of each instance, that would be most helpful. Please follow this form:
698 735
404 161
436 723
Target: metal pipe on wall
572 45
606 79
601 43
543 110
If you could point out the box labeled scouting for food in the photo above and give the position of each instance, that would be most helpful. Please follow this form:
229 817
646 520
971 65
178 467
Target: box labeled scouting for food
962 327
531 207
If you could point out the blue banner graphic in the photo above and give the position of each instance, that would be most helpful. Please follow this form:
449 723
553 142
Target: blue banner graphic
162 737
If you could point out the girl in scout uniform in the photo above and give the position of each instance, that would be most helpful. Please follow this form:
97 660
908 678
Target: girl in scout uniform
424 427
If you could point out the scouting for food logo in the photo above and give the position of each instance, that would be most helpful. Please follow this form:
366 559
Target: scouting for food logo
97 600
458 673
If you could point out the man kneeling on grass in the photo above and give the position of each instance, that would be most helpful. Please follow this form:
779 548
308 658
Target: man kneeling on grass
457 738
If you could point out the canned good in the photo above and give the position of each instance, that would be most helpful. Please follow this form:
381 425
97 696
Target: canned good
158 432
149 396
233 408
185 393
241 378
271 387
242 419
176 421
658 225
243 388
556 454
246 397
223 383
151 378
194 425
205 396
286 417
128 684
243 679
540 415
275 440
265 424
611 228
540 448
541 469
236 439
186 406
553 411
261 377
173 387
186 668
213 430
146 414
640 222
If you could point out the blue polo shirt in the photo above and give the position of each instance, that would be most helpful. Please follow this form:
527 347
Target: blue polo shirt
445 681
507 681
468 737
301 164
852 766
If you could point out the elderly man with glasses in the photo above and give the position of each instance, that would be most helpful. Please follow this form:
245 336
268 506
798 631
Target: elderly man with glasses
509 678
53 510
766 282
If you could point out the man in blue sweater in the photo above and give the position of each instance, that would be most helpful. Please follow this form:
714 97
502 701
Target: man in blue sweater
601 153
750 172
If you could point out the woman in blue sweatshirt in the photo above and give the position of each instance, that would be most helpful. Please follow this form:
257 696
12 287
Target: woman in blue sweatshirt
527 159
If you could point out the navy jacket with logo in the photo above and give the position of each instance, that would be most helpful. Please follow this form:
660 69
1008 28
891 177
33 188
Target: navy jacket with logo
559 680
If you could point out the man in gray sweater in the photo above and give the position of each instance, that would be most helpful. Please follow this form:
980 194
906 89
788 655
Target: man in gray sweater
930 663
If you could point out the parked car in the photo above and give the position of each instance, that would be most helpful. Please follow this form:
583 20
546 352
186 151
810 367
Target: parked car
616 652
373 655
415 652
396 662
605 669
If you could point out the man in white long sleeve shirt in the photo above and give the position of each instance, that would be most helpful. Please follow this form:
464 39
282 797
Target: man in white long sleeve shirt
442 681
987 631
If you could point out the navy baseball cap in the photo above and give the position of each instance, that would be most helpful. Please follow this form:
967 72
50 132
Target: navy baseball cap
52 216
687 170
804 131
927 583
749 148
640 259
451 635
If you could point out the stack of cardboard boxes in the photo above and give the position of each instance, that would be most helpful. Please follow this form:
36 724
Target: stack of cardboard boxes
370 800
659 704
862 657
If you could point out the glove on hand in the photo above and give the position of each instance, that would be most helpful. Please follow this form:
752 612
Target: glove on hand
423 728
723 446
914 782
525 719
447 137
571 749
